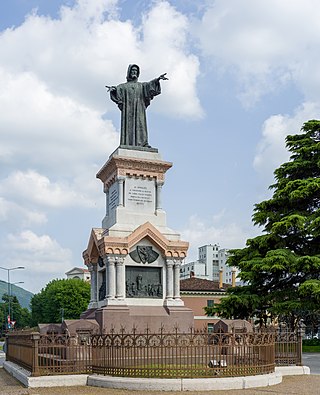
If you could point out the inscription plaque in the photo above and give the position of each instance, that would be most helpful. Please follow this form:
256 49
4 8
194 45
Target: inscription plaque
142 282
140 194
113 196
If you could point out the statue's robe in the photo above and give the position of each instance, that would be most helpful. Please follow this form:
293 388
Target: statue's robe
133 98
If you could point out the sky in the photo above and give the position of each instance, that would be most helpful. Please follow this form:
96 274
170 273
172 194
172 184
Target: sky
243 74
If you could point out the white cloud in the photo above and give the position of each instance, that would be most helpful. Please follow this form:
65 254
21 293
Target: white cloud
265 44
183 68
41 191
271 151
41 256
99 56
43 129
18 215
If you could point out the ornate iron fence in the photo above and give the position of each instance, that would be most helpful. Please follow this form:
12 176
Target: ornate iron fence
288 348
176 355
50 354
20 349
288 345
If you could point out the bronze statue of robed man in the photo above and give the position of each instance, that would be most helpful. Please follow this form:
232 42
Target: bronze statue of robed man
133 98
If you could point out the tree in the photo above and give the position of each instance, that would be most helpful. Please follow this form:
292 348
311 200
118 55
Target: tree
20 315
282 267
60 298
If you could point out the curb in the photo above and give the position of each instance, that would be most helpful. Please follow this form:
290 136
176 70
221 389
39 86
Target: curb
24 376
292 370
203 384
147 384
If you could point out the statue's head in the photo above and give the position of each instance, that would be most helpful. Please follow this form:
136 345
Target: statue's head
133 72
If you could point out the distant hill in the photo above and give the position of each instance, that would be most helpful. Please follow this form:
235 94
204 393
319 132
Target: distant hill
22 295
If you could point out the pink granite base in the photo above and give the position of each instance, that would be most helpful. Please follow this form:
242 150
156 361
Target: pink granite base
143 317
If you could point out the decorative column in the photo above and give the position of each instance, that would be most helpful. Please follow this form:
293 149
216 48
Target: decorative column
176 283
120 278
121 189
169 265
159 185
111 276
93 287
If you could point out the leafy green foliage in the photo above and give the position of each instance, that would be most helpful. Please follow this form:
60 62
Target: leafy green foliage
21 315
240 303
60 297
282 267
311 342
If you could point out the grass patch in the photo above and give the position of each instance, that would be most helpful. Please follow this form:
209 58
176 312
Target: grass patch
311 345
306 348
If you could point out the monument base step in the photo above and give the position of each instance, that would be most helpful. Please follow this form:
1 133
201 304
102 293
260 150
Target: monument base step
89 314
142 317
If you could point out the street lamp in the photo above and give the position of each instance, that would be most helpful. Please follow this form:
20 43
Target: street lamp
9 289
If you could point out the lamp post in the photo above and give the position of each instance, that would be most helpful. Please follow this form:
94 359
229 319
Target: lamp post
9 290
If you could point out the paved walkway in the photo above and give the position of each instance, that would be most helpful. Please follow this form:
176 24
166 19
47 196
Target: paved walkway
298 385
313 361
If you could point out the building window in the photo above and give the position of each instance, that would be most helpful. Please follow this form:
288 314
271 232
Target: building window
210 327
210 303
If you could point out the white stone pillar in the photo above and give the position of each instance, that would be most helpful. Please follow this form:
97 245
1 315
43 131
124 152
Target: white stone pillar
93 283
159 185
176 285
110 276
169 284
121 190
120 278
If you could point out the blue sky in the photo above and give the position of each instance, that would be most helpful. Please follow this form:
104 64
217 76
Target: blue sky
243 74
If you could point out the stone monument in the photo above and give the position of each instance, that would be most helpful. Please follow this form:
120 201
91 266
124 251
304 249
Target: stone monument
134 258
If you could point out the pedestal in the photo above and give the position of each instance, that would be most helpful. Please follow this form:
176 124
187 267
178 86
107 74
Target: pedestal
135 258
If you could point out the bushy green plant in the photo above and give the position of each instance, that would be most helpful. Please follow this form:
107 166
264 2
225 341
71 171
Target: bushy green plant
311 342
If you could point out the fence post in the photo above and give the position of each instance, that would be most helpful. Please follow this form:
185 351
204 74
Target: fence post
35 337
6 348
299 347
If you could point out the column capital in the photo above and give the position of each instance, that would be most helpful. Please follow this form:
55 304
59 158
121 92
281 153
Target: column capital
119 260
178 262
170 261
111 259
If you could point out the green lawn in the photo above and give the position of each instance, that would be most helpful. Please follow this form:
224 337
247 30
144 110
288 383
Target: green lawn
310 348
311 345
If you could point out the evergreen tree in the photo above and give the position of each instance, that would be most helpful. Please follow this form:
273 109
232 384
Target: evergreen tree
282 267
